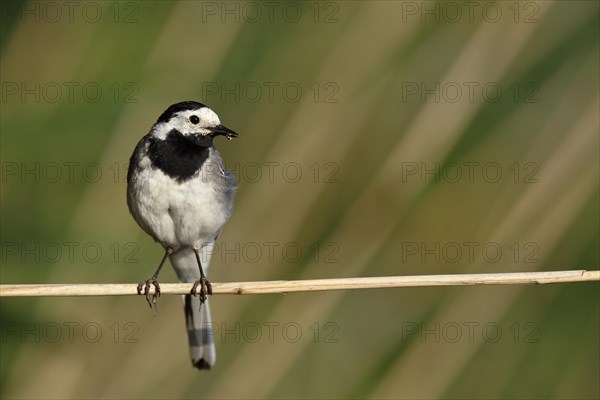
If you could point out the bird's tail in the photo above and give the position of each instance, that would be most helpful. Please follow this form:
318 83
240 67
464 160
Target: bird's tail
197 316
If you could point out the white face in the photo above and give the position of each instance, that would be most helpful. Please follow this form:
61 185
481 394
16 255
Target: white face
194 121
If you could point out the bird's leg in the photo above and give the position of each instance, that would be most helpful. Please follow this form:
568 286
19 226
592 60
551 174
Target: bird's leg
205 286
154 282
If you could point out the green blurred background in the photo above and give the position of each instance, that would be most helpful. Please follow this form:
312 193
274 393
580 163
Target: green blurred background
431 138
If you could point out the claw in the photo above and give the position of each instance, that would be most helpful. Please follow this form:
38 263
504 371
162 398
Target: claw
205 288
152 300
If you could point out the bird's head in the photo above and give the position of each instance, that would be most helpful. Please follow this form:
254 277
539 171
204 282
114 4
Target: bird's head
195 121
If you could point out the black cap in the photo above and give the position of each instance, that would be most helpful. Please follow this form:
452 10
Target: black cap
178 107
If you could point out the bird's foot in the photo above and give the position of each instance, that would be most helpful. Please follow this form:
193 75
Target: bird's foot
145 285
205 288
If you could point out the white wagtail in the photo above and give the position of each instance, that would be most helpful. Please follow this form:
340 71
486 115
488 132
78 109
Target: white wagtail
179 192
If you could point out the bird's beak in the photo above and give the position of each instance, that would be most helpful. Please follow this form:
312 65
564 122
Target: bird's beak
221 130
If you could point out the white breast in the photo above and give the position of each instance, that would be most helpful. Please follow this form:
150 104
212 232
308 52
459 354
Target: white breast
189 213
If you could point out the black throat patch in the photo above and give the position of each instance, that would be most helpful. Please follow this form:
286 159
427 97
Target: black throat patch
178 156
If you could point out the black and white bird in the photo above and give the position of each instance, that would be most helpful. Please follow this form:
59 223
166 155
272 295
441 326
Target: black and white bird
179 192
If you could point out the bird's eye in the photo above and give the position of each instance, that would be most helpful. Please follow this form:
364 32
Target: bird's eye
194 119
